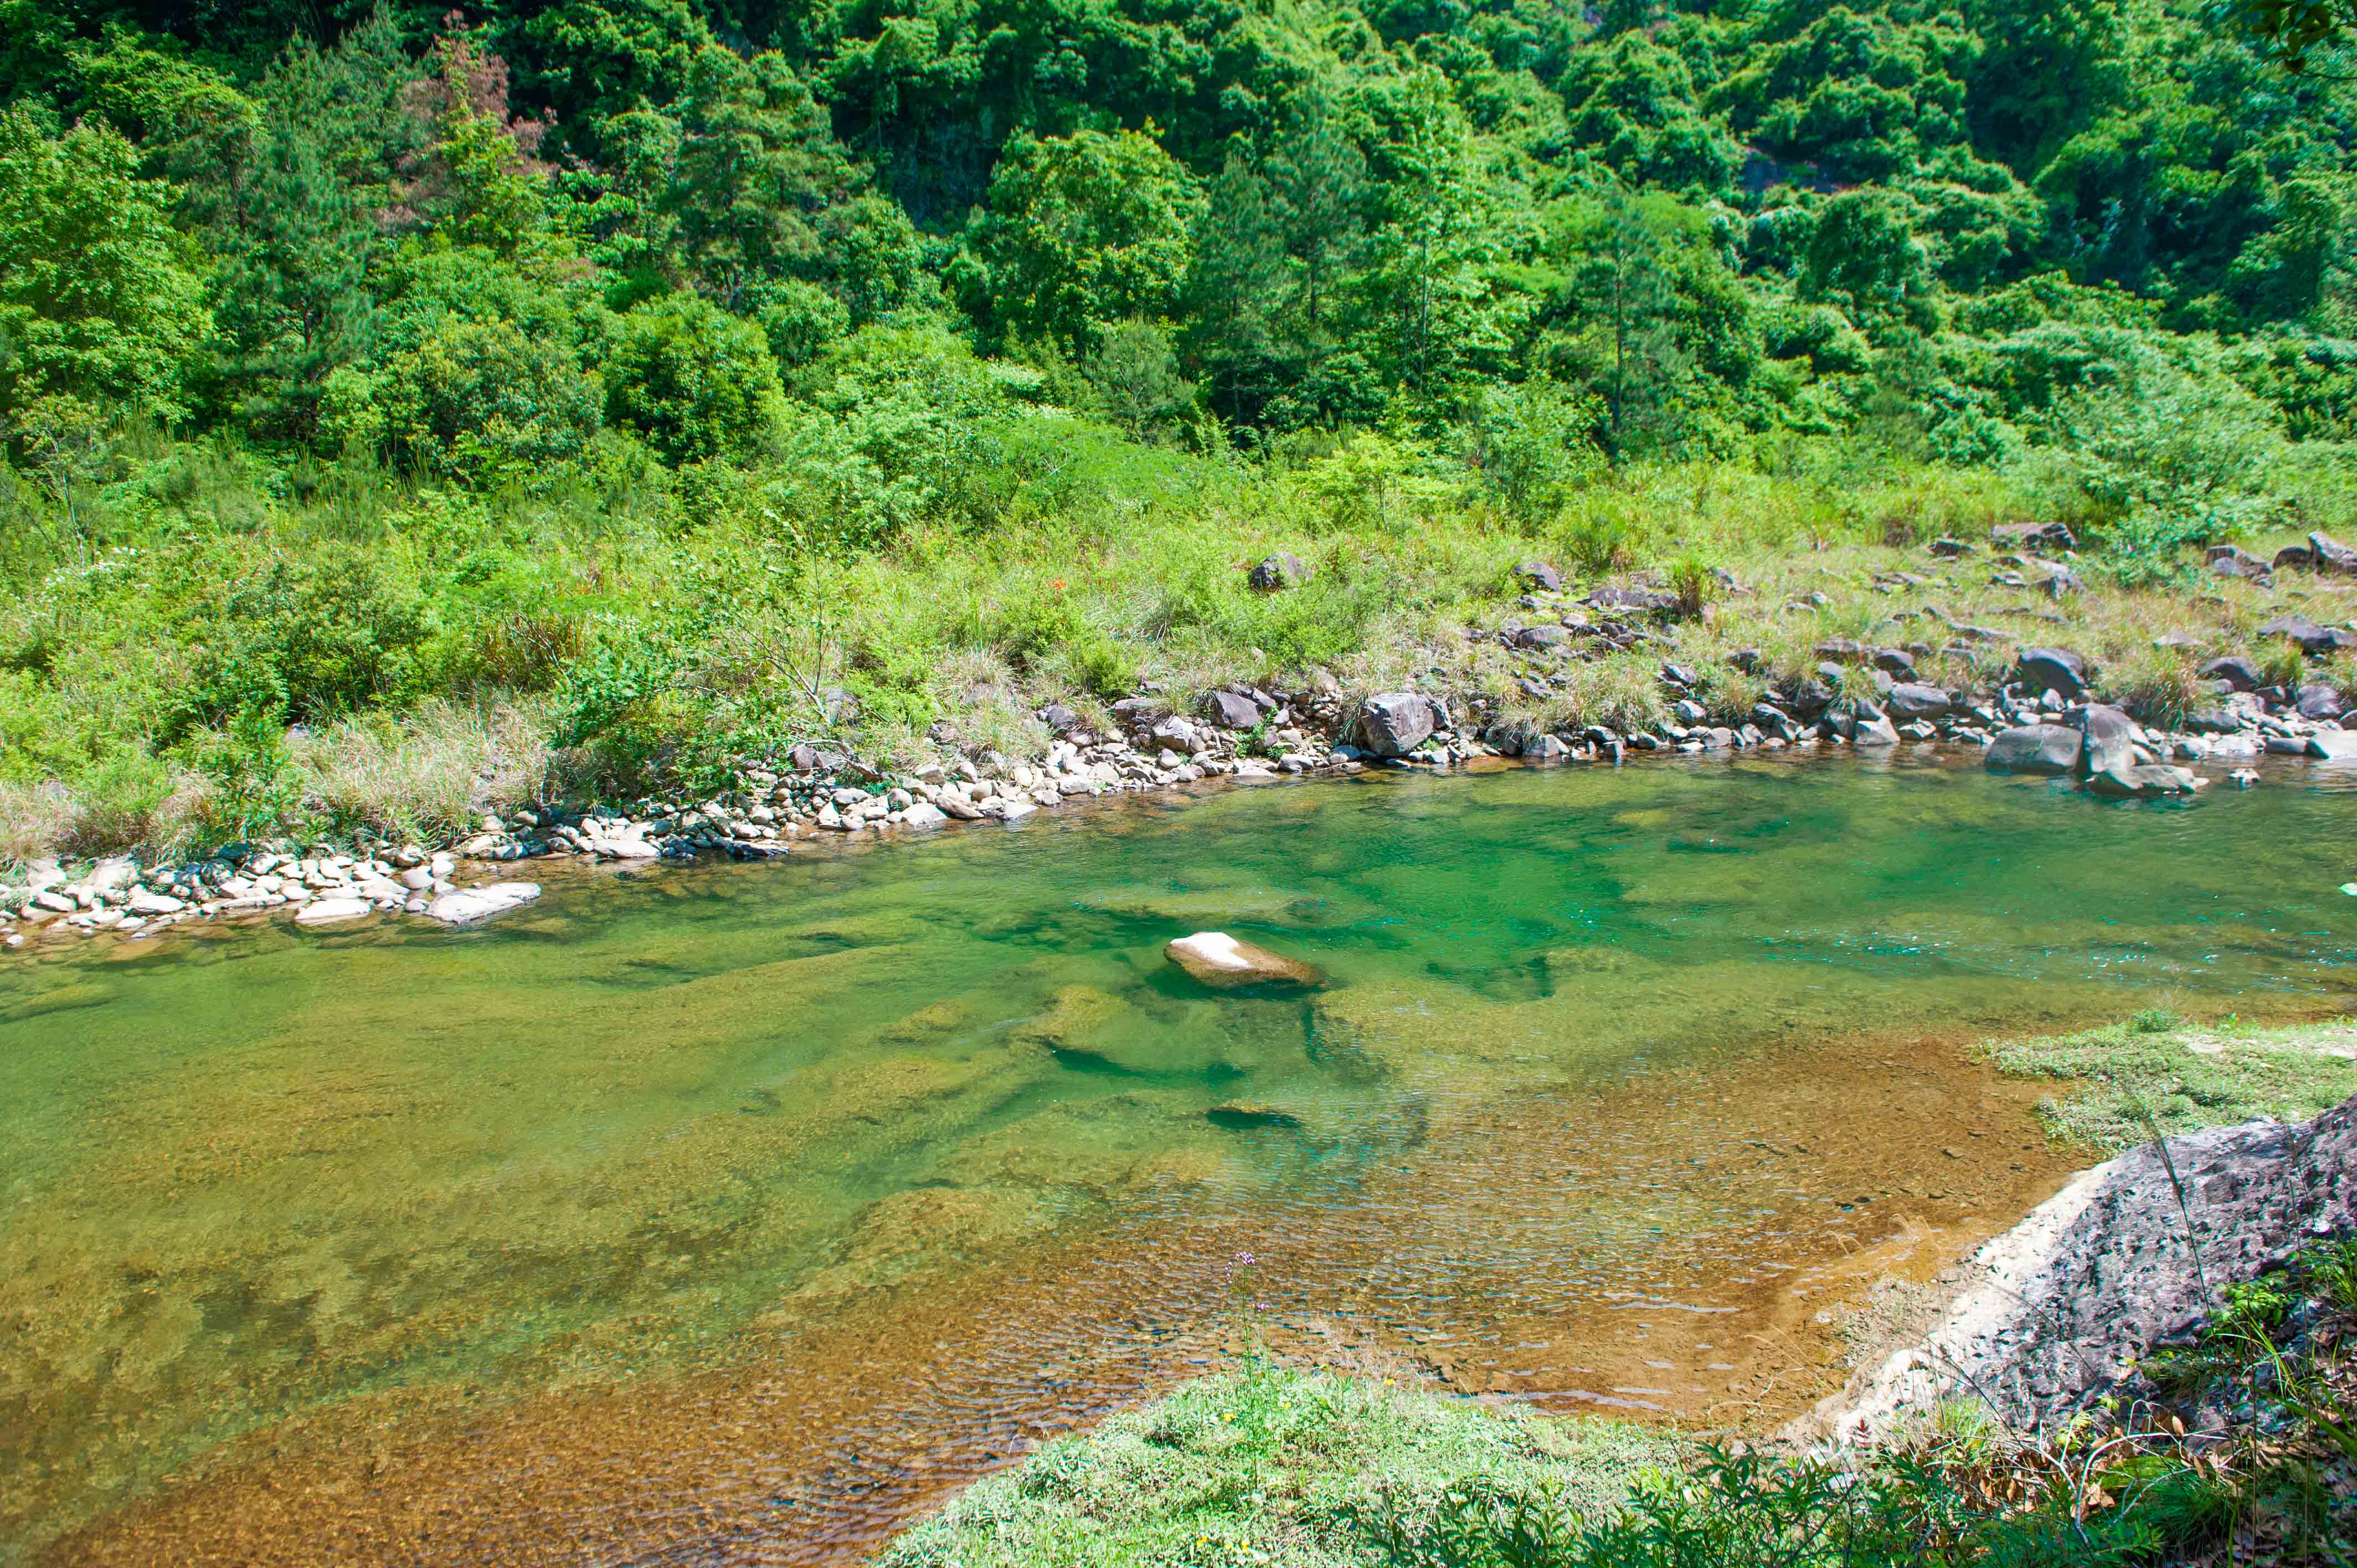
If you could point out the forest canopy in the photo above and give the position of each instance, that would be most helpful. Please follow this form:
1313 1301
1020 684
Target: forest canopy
465 242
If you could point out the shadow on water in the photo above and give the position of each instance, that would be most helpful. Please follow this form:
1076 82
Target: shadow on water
724 1215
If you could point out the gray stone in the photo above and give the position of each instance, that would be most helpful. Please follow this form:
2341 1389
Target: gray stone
2124 1258
1895 662
2140 782
1874 733
1059 718
1910 699
1393 724
2310 638
1230 709
2111 738
2035 748
2056 670
1536 638
2318 701
1546 748
1276 572
2332 745
2039 538
2328 554
924 815
2234 560
2239 673
470 904
1540 577
1647 601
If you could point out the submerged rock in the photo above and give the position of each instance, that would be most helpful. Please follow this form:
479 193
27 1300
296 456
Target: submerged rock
2142 783
332 911
468 905
1219 960
1241 1114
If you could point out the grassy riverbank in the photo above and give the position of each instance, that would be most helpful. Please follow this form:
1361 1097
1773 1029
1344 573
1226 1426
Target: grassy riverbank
443 652
1294 1469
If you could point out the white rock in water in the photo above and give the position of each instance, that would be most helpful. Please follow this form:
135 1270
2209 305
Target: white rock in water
923 816
144 904
1006 808
1218 959
470 904
328 911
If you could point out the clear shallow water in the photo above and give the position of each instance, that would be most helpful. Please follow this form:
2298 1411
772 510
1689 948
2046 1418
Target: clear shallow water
791 1193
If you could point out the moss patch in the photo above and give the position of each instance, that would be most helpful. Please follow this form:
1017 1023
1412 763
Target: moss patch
2155 1074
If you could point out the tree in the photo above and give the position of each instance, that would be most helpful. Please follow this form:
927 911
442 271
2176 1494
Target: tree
755 169
1621 253
479 180
1136 377
2295 32
1450 225
1317 194
1237 289
97 302
1084 231
1867 258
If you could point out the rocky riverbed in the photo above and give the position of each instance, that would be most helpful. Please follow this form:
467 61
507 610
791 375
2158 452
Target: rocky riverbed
2129 1258
2029 709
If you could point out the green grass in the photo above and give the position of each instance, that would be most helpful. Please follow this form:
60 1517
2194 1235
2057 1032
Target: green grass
2157 1072
1306 1469
1292 1469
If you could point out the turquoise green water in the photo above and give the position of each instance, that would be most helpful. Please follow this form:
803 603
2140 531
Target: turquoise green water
246 1176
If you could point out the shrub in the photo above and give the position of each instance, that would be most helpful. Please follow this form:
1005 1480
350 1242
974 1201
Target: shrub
474 398
694 381
302 638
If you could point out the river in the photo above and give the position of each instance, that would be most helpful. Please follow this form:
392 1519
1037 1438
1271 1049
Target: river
724 1214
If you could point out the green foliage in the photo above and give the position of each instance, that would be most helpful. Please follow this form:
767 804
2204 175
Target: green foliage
297 639
694 381
618 299
2158 461
2131 1079
99 305
252 791
1084 231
